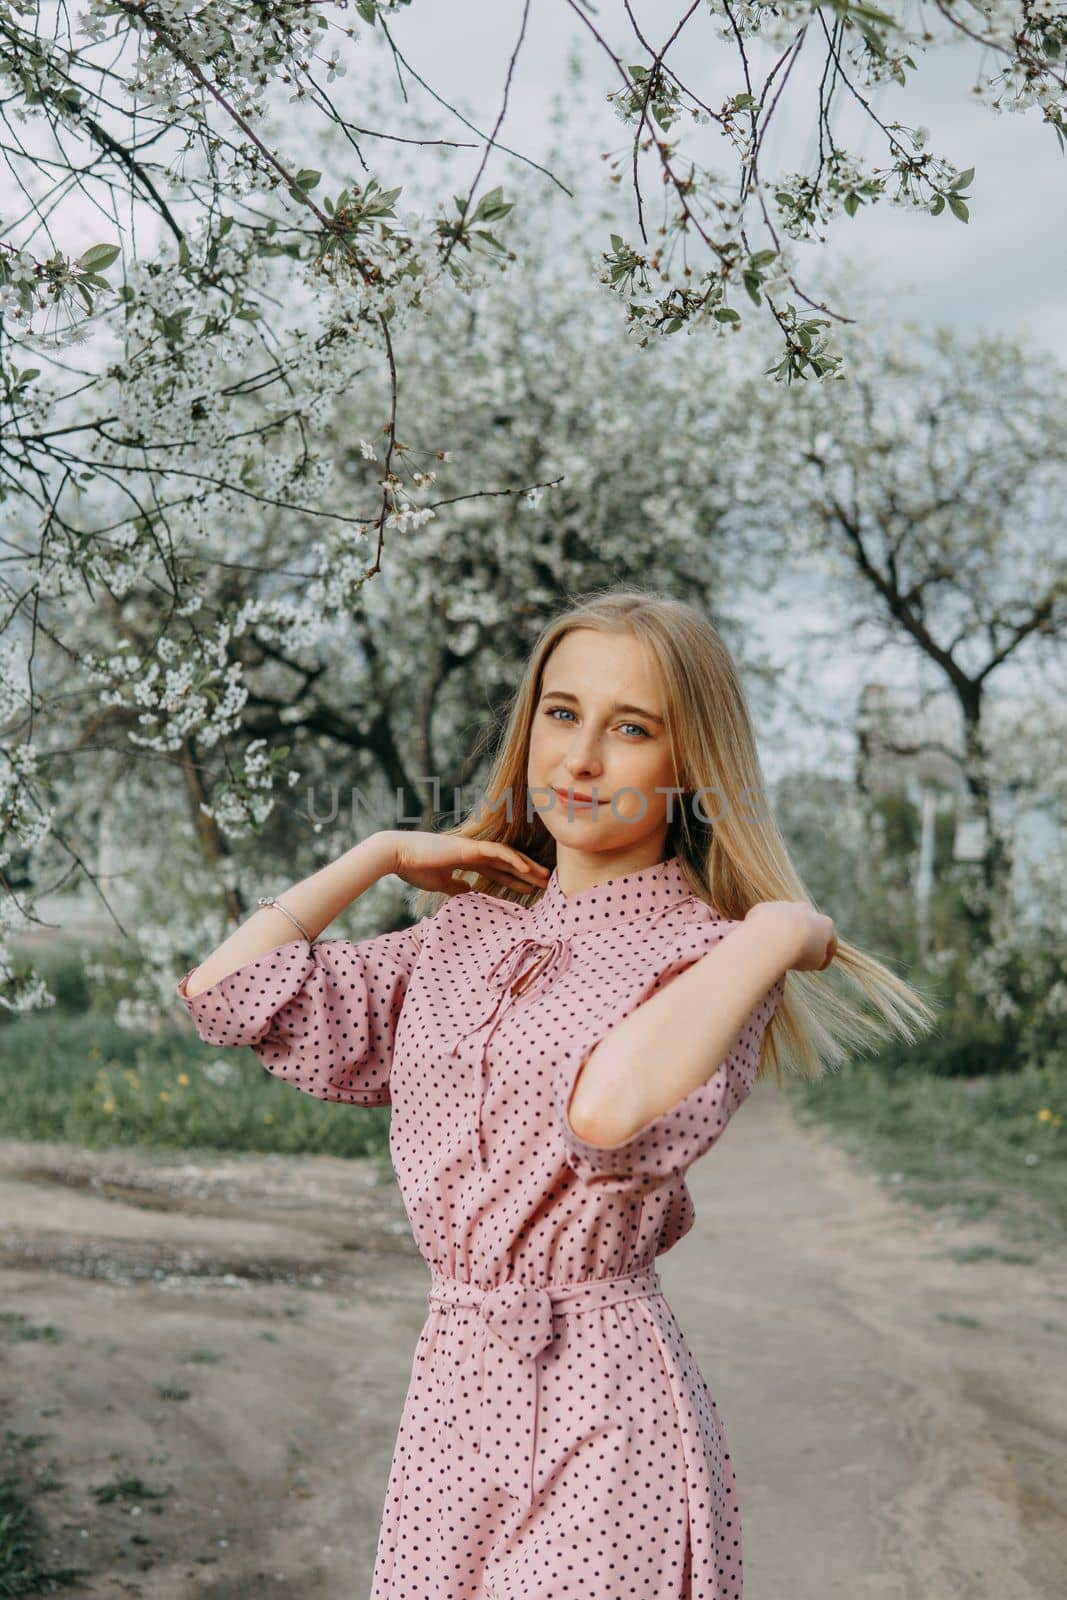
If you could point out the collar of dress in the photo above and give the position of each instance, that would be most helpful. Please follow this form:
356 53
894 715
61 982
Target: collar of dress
659 888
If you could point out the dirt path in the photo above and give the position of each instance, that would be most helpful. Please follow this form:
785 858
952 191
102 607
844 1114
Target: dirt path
883 1449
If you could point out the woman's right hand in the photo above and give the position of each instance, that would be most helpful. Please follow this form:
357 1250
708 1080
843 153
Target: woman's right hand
809 935
428 860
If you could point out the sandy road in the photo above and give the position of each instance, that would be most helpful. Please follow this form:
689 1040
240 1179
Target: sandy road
898 1418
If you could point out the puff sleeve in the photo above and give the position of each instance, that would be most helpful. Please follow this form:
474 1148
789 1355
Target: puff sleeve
668 1144
321 1017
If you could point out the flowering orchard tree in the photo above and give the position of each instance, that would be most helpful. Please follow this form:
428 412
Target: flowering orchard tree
328 720
931 489
166 390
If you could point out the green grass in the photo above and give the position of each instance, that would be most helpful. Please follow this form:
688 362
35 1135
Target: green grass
23 1569
78 1078
129 1488
17 1325
979 1147
989 1146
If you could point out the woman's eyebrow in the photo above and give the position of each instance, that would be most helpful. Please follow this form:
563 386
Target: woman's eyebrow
562 694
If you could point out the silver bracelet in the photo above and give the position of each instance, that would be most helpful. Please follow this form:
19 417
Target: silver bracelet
269 900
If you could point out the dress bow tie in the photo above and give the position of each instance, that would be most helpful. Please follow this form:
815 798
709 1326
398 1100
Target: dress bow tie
545 959
506 969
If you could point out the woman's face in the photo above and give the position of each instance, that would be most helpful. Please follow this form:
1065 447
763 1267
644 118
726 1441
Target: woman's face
598 731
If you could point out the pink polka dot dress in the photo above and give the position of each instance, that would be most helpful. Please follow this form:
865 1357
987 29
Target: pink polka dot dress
557 1440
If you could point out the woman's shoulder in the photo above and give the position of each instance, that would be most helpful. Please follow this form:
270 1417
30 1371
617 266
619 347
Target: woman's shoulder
701 923
685 929
684 932
475 913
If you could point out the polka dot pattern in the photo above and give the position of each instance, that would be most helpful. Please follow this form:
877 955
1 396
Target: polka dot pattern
557 1438
323 1017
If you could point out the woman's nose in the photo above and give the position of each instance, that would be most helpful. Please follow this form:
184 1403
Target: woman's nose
583 758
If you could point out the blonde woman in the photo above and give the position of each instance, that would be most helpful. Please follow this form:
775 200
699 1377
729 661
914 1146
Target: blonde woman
567 1028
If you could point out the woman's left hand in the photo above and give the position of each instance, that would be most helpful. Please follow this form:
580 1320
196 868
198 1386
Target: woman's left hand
809 934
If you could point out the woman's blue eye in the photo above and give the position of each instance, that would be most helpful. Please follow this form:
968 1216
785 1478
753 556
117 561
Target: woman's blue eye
551 712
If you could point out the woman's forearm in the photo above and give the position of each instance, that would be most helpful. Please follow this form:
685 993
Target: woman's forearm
676 1039
315 901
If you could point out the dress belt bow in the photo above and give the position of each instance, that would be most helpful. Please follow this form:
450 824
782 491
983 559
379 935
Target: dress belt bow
492 1395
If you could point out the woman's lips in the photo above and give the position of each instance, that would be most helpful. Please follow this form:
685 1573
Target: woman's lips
576 799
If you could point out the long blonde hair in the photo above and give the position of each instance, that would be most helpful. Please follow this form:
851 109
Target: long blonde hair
732 862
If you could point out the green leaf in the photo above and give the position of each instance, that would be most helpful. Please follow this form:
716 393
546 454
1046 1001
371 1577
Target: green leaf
874 41
726 314
307 178
97 257
762 258
741 102
367 10
852 203
963 179
492 206
387 199
751 282
617 243
938 206
958 207
881 19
